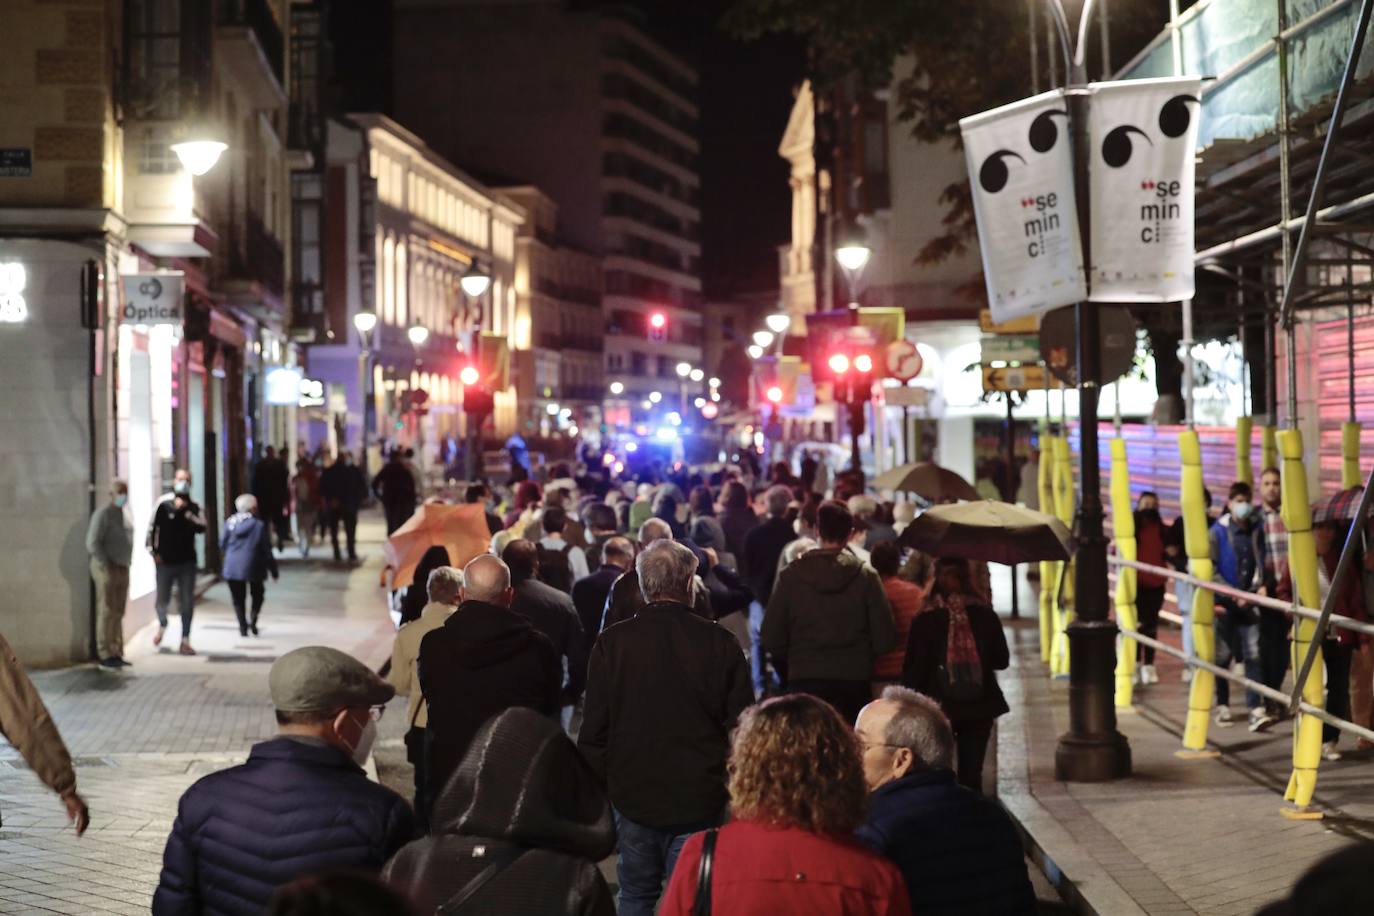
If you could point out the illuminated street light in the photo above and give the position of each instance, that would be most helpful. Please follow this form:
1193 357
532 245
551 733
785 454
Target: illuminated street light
684 369
755 351
715 395
774 394
468 376
655 397
839 363
713 382
698 375
418 334
853 256
657 321
617 388
763 339
199 154
778 323
552 410
699 403
476 281
365 322
647 405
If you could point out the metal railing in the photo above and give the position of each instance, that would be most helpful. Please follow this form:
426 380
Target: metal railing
1217 588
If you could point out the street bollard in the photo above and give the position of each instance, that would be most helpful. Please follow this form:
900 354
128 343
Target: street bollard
1123 532
1197 545
1350 455
1269 449
1063 607
1302 560
1245 473
1048 568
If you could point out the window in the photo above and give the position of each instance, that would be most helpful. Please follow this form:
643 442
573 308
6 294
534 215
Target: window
389 280
402 304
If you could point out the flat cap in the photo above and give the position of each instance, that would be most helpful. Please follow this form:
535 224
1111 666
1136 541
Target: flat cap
318 678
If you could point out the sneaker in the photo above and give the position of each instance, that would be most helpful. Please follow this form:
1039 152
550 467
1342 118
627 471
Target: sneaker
1186 675
185 648
253 628
111 663
1260 720
243 631
1222 716
123 662
1151 675
1329 751
157 637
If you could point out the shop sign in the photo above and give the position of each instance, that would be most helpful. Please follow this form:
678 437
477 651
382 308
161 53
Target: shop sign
153 298
283 386
13 279
312 393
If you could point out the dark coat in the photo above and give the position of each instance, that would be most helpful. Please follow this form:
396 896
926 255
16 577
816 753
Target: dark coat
394 485
925 653
172 533
762 547
297 807
958 851
246 545
522 785
553 614
828 617
343 487
663 692
626 599
589 596
482 661
737 522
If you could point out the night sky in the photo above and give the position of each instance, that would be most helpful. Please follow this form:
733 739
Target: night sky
745 98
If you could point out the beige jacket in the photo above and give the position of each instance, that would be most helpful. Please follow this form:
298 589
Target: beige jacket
405 659
25 723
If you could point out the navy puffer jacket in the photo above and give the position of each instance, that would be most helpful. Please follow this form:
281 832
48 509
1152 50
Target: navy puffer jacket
247 548
296 808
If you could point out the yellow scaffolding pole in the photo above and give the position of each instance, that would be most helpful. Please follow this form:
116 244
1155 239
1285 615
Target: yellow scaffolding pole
1302 561
1245 473
1199 550
1269 448
1048 578
1063 606
1123 532
1350 455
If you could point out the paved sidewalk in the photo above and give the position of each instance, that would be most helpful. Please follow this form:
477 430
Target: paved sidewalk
142 736
1178 836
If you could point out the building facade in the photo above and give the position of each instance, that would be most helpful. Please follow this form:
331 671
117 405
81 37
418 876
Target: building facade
145 304
602 118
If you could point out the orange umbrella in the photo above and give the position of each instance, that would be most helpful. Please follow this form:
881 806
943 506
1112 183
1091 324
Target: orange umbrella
461 530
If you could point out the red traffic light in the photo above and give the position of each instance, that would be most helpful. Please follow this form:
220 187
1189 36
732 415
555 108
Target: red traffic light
839 363
774 394
863 363
658 320
468 376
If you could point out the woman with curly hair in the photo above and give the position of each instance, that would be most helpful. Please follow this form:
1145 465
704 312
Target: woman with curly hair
797 793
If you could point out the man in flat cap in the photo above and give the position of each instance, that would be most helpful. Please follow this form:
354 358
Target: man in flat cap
300 805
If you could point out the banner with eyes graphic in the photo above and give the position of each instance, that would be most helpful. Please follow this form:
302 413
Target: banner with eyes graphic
1144 137
1020 167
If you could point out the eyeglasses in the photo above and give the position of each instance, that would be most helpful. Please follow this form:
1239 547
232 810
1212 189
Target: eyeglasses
866 746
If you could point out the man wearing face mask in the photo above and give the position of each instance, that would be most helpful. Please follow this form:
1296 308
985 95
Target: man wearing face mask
110 542
302 804
1237 543
172 542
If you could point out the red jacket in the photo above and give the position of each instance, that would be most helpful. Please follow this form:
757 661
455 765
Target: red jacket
766 870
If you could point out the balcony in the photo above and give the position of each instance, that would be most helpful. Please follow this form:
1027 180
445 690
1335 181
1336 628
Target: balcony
256 271
553 340
248 39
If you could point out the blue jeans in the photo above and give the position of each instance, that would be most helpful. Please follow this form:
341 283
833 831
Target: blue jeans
647 857
1245 637
183 576
758 669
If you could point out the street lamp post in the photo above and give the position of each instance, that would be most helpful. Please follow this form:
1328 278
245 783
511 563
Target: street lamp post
474 284
365 323
683 370
853 256
1092 749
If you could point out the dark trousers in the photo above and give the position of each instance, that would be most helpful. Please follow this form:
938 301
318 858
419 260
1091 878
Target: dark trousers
848 697
418 755
971 748
1273 649
183 576
1337 658
647 857
239 590
350 526
396 514
1148 600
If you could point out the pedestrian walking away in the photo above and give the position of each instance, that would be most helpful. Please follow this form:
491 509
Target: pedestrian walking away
343 489
797 794
110 542
394 485
958 852
30 730
955 648
271 486
172 542
518 829
302 803
664 689
246 544
305 494
552 613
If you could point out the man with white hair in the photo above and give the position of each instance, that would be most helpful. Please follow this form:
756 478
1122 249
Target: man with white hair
626 597
443 588
663 691
958 851
246 544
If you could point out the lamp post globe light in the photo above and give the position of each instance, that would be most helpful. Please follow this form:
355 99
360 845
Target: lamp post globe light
199 152
475 281
468 376
697 375
617 388
684 370
763 339
418 334
755 351
778 322
853 256
655 397
365 322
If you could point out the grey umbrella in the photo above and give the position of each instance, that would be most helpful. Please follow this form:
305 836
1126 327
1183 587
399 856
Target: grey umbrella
992 531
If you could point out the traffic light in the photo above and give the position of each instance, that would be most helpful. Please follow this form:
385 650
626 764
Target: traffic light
658 327
477 400
414 401
469 376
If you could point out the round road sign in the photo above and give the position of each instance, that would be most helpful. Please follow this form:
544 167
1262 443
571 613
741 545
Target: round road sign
903 361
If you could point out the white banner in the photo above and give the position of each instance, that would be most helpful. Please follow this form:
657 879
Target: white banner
152 298
1144 134
1020 168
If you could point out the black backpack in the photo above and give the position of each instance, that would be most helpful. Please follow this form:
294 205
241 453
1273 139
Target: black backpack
555 569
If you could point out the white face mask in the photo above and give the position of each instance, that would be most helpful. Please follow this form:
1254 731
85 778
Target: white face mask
181 487
1240 510
120 500
363 749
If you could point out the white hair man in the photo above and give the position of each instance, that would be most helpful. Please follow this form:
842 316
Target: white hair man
627 598
444 589
674 684
110 542
958 851
246 545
